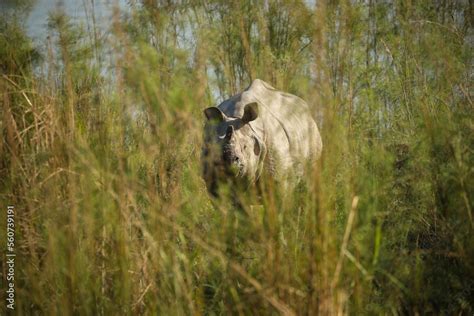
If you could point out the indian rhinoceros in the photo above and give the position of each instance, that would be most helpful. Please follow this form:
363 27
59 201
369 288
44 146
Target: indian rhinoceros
258 129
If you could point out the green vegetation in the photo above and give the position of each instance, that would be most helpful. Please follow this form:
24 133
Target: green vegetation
100 156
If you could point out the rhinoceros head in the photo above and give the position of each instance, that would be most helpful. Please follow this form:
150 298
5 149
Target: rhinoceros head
231 146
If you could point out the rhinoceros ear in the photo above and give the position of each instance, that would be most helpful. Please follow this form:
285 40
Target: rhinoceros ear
214 113
250 112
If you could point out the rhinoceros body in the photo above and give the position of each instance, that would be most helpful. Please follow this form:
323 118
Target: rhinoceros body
259 129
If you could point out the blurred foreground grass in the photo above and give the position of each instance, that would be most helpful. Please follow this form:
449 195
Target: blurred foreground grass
100 152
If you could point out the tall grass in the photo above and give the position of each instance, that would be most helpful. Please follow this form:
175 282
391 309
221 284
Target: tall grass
100 152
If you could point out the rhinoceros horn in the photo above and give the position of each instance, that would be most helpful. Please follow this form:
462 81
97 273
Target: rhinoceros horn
229 132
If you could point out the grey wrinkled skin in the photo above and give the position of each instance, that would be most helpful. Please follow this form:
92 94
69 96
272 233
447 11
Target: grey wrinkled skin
256 130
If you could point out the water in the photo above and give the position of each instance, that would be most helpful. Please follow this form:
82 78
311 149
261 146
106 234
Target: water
80 11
